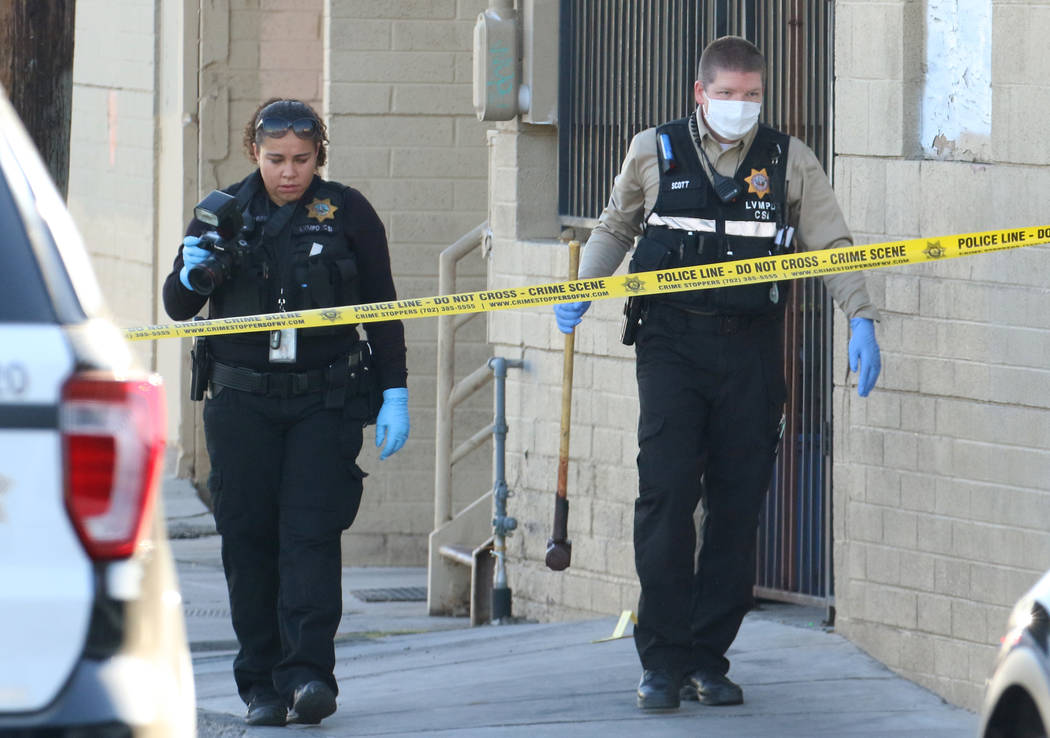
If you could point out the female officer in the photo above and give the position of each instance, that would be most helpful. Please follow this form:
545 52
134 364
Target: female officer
286 408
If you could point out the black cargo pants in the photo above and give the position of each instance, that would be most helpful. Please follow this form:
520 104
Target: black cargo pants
284 484
711 392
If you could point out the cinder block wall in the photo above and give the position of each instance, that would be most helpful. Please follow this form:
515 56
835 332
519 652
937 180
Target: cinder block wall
602 482
250 51
111 162
942 476
128 149
398 84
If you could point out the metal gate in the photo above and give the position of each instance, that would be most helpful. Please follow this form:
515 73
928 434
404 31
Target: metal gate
627 65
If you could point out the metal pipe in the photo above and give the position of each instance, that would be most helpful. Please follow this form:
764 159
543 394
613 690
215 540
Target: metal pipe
502 524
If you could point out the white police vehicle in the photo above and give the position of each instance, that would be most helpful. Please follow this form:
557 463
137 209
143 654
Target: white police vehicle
1017 698
92 637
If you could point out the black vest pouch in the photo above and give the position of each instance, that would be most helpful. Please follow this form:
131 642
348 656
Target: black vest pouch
746 299
344 274
651 254
325 279
322 286
314 285
662 248
326 273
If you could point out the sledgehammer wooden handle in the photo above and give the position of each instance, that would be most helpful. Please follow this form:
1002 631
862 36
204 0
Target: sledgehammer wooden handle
559 549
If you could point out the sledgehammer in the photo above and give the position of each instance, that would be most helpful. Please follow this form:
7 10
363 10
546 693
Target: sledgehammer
559 549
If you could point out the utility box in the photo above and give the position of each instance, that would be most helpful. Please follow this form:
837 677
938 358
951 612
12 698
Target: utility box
497 65
539 60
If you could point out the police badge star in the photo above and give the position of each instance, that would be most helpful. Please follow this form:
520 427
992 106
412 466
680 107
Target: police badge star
321 209
633 284
933 250
758 183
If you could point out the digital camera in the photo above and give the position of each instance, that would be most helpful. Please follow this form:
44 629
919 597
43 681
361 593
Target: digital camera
228 249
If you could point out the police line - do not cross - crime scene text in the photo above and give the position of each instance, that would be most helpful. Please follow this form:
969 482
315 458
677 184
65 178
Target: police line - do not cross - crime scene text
722 274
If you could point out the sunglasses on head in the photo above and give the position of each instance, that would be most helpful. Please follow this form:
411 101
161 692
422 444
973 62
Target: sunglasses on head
277 127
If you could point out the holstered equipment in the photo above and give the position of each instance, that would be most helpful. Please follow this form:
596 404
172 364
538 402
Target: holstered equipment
200 368
633 314
359 394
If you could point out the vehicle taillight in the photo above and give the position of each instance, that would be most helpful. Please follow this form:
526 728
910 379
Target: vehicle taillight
113 434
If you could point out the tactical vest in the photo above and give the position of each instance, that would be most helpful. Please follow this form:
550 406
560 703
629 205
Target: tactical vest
691 226
295 261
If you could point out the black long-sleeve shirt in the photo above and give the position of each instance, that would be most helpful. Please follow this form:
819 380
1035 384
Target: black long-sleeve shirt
367 237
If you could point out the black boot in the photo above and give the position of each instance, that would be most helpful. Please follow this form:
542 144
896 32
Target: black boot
266 709
711 688
312 703
658 690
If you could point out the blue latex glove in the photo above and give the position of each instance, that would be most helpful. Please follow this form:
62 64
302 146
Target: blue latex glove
192 255
864 349
392 421
569 315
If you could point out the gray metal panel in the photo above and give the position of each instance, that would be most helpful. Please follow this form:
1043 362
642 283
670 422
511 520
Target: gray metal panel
626 65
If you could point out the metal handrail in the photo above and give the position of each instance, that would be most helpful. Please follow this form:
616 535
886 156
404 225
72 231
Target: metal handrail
450 393
472 443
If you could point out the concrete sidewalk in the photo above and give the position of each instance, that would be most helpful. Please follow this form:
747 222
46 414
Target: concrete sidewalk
402 673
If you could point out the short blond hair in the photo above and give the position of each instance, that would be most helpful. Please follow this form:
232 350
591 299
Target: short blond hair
730 53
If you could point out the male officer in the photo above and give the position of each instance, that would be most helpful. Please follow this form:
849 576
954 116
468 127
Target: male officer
710 188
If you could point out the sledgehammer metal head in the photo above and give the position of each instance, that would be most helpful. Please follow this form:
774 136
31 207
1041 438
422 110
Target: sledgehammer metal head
559 553
559 549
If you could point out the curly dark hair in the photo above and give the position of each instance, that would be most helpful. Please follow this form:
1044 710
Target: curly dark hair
289 109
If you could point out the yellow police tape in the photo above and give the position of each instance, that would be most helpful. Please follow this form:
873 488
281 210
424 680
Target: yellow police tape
725 274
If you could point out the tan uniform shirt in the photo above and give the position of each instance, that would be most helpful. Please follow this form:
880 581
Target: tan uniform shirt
812 210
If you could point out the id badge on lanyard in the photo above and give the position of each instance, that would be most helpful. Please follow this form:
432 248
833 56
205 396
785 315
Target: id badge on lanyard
283 341
282 346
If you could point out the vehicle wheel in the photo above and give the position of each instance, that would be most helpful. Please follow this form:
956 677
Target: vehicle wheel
1015 716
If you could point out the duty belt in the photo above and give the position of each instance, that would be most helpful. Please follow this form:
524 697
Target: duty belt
293 384
723 325
277 384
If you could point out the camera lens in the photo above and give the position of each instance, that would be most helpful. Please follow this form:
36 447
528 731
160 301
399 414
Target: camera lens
206 276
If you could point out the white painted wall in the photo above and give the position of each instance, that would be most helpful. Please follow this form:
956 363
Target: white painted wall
957 98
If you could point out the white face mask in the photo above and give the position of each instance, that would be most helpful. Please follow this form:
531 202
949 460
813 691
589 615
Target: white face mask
731 119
